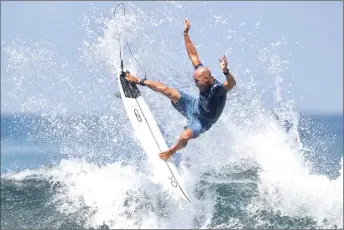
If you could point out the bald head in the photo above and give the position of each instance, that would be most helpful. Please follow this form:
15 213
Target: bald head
203 78
202 72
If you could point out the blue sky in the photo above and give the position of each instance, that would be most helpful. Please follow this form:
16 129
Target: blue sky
314 33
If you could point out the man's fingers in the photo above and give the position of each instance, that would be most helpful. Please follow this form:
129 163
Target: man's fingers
225 59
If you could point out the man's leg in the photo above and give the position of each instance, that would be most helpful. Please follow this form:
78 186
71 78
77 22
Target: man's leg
193 130
159 87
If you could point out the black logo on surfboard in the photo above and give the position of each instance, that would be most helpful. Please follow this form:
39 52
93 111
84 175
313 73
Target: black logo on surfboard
173 183
137 114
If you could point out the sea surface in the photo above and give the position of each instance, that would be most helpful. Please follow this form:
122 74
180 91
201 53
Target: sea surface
69 172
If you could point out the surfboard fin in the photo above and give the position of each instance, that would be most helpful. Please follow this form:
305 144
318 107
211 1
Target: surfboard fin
117 94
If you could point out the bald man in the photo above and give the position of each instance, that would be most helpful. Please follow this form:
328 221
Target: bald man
201 112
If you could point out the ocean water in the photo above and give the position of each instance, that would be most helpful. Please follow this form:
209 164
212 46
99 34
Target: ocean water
69 158
64 179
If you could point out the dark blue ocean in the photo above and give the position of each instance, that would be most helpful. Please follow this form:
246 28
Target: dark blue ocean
88 172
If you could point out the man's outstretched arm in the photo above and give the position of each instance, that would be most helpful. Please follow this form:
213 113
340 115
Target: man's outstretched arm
190 48
230 81
181 143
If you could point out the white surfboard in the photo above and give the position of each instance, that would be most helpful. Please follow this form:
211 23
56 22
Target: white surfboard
149 136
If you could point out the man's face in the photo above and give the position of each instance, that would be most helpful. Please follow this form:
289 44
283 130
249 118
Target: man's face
202 78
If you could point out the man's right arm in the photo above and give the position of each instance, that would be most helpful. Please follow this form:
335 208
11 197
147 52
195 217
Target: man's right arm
190 48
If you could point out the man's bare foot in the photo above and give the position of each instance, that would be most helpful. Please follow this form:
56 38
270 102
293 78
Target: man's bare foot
165 155
132 78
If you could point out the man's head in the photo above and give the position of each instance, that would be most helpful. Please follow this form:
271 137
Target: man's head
203 79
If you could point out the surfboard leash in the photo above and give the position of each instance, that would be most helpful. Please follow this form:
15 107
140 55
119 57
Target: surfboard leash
120 46
119 40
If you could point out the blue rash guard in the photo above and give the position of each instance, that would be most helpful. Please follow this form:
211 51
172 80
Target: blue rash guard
212 102
202 112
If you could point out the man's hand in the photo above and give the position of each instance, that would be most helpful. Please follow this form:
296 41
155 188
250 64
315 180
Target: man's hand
166 154
230 81
131 78
186 26
224 64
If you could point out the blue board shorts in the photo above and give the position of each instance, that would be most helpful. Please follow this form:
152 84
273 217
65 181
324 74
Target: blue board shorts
188 107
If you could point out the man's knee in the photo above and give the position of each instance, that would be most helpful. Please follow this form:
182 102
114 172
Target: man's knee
196 128
171 93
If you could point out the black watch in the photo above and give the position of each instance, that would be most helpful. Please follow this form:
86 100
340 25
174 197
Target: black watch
227 72
141 82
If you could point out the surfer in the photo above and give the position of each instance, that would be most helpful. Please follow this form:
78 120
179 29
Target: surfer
201 112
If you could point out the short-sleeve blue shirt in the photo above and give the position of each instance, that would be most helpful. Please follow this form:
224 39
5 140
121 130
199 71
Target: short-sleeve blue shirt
212 102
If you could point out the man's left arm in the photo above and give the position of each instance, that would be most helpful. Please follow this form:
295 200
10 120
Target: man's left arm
230 81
